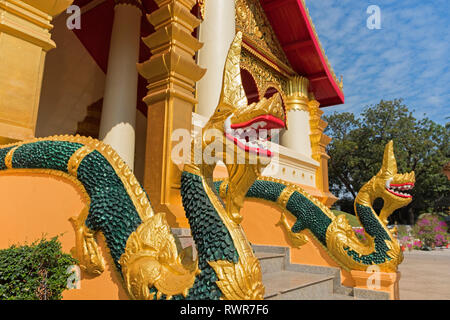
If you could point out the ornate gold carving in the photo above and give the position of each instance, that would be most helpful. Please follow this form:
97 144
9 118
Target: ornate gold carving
377 186
76 158
233 94
241 281
252 21
297 240
265 77
298 87
271 64
151 260
297 94
340 235
273 106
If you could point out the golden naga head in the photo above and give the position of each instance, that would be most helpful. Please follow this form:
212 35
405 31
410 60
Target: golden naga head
394 188
242 132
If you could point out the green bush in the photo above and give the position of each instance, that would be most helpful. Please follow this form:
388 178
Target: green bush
34 272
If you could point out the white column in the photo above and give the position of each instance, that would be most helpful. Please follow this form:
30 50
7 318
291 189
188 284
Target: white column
297 136
117 126
217 32
297 112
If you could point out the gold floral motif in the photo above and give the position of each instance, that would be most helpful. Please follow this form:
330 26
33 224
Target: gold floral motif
283 71
151 260
240 281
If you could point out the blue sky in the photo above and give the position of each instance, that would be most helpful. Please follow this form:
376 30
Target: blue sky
409 57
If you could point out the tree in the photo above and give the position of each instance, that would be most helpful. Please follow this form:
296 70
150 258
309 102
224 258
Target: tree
356 152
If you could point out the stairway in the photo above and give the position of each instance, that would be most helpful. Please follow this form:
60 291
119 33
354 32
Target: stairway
286 281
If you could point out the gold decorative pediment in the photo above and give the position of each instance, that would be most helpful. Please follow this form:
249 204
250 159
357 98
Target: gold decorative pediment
252 21
264 76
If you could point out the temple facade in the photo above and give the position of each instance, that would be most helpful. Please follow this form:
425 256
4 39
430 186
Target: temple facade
132 72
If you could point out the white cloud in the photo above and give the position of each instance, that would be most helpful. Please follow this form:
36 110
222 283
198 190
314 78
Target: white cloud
407 58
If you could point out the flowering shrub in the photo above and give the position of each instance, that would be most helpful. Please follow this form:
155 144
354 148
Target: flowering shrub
417 245
432 231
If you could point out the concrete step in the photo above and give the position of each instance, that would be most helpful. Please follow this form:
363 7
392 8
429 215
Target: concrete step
271 262
291 285
336 296
286 281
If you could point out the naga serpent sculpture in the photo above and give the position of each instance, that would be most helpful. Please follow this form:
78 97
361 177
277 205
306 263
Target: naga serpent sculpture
140 241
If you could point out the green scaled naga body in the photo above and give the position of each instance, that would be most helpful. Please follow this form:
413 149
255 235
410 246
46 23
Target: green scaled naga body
334 232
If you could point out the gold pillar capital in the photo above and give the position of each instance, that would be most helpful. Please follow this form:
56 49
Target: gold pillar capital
297 94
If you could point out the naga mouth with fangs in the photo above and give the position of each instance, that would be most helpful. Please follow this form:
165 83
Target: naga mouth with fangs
254 136
400 190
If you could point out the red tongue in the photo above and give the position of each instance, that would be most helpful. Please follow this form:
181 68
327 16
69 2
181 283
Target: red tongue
402 184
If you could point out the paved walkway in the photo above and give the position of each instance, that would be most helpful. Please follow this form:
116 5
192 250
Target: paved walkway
425 275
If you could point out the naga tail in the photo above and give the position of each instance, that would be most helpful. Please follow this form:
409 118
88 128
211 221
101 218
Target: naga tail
115 202
334 233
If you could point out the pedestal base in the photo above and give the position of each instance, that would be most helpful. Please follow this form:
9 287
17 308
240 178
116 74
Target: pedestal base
377 282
